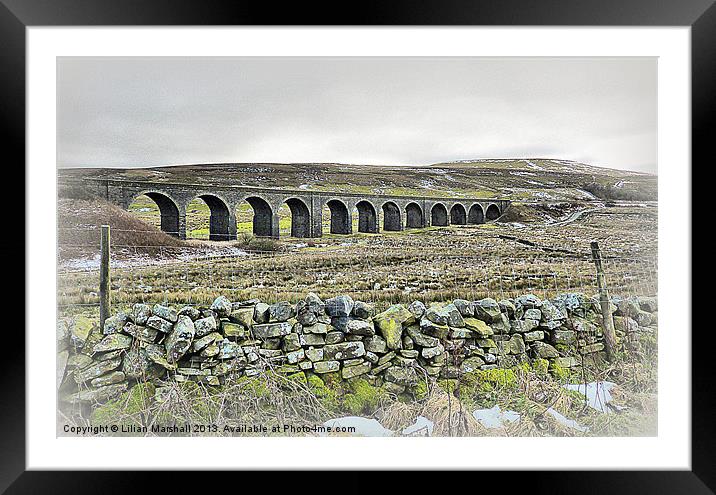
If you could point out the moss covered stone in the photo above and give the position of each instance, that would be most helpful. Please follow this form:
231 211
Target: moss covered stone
243 316
113 342
390 324
479 327
81 329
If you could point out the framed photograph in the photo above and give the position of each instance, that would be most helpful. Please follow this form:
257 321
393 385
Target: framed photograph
443 238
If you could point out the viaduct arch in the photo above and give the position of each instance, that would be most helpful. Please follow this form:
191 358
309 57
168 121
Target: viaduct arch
300 218
493 212
392 220
219 218
476 215
414 216
306 208
458 215
168 212
367 217
438 215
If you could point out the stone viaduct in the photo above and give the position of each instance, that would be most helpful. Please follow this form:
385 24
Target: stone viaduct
399 212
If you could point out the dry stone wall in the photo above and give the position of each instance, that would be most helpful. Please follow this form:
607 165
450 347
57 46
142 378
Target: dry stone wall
395 348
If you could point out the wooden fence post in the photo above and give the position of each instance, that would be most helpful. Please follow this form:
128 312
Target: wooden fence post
610 338
104 284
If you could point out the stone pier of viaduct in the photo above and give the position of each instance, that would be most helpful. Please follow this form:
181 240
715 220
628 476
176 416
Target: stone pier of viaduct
399 212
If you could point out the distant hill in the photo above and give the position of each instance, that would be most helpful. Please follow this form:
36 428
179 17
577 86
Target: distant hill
527 179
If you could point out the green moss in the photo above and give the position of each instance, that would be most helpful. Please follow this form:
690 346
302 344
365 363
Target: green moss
254 386
127 409
448 385
540 366
196 403
506 378
562 348
422 390
560 373
327 396
481 388
363 398
525 367
299 377
333 380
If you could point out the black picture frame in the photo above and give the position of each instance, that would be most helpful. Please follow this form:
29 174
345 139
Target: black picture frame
700 15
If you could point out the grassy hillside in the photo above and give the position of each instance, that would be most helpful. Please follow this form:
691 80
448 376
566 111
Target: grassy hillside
515 179
78 223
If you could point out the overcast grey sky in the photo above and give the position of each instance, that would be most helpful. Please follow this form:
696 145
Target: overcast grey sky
138 112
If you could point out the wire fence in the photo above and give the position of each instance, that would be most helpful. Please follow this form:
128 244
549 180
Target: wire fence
382 270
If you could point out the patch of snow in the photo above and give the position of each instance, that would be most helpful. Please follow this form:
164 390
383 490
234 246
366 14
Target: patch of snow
364 427
129 259
544 195
597 393
146 209
494 417
304 186
426 184
587 194
533 165
82 263
569 423
422 427
542 184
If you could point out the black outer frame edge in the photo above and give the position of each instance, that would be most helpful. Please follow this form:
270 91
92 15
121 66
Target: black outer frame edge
12 129
450 12
703 123
367 12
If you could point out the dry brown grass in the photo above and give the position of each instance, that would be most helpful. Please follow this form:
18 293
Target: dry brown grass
79 224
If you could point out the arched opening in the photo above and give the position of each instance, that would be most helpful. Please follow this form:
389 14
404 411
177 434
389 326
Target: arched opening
255 215
367 217
159 210
198 215
340 220
458 215
414 216
391 217
493 212
207 216
439 215
299 218
475 215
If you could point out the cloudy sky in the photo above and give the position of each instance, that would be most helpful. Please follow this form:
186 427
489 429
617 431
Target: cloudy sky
138 112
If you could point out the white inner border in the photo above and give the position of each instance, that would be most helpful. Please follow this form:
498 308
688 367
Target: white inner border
669 450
